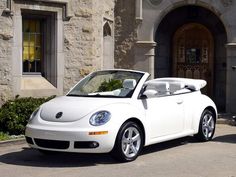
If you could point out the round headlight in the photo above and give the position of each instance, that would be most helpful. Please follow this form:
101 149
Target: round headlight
33 114
100 118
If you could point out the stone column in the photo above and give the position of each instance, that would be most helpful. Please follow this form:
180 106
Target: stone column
144 56
138 10
231 78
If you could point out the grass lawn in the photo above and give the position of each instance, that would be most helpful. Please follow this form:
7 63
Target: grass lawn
4 136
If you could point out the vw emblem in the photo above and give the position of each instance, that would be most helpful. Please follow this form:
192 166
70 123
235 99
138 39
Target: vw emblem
58 115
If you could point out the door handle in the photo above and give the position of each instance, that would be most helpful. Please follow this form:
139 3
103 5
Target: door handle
179 101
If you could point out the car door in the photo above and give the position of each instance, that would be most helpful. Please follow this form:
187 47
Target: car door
165 115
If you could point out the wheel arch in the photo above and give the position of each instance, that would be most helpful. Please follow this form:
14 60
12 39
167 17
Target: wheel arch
210 108
202 103
116 151
202 134
140 124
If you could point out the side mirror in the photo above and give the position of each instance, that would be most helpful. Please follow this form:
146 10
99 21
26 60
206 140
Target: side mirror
148 94
143 97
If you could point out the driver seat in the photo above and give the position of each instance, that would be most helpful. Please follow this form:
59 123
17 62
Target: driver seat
128 85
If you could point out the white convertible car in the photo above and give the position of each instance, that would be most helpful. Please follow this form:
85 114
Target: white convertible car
120 111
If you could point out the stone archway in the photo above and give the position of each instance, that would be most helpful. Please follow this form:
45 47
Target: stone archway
166 29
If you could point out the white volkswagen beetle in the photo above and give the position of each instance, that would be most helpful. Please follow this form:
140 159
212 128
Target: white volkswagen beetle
120 111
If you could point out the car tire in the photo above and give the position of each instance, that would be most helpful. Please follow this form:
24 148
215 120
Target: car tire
206 128
129 142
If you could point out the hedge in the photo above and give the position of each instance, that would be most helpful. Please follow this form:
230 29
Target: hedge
14 114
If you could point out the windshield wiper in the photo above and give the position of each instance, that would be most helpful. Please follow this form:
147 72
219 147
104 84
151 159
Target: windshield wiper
103 96
97 95
73 95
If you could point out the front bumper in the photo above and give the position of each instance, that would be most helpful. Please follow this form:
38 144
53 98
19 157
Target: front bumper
70 140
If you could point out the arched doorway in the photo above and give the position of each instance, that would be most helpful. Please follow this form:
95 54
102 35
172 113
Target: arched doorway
203 24
193 50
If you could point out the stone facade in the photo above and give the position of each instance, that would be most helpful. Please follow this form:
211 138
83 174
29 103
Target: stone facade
83 51
6 40
125 33
151 39
77 46
138 35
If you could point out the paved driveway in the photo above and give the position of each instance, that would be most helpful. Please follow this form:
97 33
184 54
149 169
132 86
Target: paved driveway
180 158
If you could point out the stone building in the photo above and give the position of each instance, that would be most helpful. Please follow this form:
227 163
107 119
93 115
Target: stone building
46 46
184 38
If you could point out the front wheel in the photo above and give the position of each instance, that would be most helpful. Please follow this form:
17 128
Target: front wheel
129 142
206 126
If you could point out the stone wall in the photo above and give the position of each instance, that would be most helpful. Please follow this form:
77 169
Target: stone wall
78 42
83 39
81 42
6 35
103 12
125 33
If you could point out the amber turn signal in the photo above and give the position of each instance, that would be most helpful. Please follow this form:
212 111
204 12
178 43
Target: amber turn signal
98 133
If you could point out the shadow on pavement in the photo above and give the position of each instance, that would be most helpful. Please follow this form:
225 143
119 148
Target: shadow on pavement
231 138
169 144
32 157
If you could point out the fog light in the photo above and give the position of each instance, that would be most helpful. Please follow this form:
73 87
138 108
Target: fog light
85 144
93 145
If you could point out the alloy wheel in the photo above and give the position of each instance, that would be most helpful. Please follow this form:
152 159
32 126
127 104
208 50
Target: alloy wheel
131 142
208 125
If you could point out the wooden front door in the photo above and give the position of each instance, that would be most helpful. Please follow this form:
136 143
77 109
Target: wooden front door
193 54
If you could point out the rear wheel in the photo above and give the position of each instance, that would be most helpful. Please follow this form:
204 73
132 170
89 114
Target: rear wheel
206 126
129 142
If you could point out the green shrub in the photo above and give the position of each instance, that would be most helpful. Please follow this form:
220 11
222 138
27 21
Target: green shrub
110 85
4 136
14 114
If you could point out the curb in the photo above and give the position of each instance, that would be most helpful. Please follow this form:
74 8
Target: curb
12 142
226 119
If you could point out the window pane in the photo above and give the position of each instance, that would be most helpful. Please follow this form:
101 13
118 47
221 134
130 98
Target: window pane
26 66
32 45
32 26
25 53
32 40
31 54
38 66
25 39
32 66
25 25
37 27
38 53
38 40
193 55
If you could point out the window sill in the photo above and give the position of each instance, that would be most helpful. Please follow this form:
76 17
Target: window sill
35 82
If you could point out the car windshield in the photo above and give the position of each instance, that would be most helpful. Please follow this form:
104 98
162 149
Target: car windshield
111 83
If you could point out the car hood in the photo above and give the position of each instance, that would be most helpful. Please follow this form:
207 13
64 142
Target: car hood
69 109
